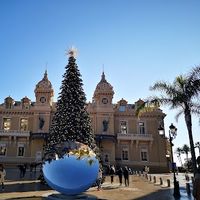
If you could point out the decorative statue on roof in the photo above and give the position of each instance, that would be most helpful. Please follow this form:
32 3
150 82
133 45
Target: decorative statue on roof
41 123
105 125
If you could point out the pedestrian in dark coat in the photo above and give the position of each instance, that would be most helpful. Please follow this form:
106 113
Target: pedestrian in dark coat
112 173
20 170
120 174
24 170
126 176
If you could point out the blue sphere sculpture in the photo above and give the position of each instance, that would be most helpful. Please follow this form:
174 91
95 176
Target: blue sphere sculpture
72 174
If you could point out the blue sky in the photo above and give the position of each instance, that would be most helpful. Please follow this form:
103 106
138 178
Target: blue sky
138 41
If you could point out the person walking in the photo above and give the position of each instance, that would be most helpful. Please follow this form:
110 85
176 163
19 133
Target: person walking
126 176
2 176
196 184
112 173
24 170
120 174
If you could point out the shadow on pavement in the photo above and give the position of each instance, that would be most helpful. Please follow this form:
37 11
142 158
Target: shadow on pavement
28 198
24 187
165 194
60 197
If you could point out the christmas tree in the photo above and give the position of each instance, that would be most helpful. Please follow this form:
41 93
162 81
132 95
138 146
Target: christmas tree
71 121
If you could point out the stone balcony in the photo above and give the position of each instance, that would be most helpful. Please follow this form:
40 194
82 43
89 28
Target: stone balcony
132 136
14 133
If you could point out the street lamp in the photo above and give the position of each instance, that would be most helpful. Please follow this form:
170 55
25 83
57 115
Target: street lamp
172 136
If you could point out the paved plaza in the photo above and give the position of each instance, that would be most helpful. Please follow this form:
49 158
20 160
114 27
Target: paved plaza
140 188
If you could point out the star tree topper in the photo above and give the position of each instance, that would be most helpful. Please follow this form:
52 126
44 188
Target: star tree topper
72 52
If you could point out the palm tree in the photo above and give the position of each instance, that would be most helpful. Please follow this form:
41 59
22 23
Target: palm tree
178 152
181 94
186 150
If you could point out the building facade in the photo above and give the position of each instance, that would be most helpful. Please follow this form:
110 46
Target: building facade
123 138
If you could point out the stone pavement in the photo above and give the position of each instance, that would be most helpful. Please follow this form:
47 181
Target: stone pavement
29 188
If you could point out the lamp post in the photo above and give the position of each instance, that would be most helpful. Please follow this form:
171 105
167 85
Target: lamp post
172 136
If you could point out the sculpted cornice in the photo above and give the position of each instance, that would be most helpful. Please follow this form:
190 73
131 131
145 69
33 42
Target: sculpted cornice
142 116
16 113
124 114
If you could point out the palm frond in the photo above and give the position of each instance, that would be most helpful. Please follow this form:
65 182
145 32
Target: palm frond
195 109
178 150
173 103
165 87
147 106
194 81
186 148
172 91
178 115
194 74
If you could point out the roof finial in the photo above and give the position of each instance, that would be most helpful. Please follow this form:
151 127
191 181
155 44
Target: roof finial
46 66
45 74
103 76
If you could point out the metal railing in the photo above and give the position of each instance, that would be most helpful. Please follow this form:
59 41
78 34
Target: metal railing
131 136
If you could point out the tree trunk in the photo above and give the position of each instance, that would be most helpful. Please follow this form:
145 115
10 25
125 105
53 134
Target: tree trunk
188 121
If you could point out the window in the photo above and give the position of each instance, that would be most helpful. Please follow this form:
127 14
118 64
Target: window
104 100
26 106
124 154
144 155
24 124
21 150
3 149
122 108
123 127
141 128
6 124
38 156
8 105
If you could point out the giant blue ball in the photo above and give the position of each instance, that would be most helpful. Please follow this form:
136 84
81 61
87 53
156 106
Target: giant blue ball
69 175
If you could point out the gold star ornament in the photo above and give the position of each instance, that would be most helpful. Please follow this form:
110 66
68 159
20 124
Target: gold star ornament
72 52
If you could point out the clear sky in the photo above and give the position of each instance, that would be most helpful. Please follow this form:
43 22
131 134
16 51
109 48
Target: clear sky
137 41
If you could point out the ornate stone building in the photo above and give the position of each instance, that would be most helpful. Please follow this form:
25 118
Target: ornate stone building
123 138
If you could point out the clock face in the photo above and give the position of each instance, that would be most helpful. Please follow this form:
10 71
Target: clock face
104 100
42 99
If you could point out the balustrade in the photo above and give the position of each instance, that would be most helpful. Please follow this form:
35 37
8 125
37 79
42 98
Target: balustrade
15 133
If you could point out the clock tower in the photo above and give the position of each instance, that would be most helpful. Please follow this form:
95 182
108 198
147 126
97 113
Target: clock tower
44 92
102 117
103 94
102 112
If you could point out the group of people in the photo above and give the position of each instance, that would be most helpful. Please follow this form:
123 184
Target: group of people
121 172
